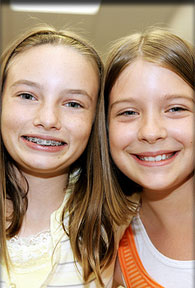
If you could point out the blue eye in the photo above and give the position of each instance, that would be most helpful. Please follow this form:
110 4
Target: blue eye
176 109
73 105
27 96
128 113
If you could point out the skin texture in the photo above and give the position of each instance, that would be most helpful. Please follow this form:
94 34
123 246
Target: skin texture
54 100
50 93
150 114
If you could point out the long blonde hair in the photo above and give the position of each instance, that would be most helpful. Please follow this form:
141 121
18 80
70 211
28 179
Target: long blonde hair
90 224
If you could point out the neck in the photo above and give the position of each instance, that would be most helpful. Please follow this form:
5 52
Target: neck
44 197
169 204
168 220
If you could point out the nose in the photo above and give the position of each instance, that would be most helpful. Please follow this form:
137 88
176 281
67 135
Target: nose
47 117
152 129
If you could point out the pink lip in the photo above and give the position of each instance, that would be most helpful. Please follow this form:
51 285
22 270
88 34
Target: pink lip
153 154
38 147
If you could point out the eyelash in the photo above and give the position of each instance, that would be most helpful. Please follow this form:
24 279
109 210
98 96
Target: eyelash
73 104
176 109
27 96
128 113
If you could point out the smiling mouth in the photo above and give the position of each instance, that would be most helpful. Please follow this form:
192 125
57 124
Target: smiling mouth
157 158
44 142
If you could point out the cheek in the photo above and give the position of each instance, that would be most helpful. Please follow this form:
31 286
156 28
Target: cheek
83 133
80 130
9 133
120 137
7 122
10 114
184 134
10 123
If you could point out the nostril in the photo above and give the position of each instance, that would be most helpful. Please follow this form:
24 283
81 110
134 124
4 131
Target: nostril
152 134
47 118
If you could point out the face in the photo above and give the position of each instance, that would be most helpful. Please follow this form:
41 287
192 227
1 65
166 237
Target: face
48 108
151 126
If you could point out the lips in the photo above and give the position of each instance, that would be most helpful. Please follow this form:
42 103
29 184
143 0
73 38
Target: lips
44 143
155 159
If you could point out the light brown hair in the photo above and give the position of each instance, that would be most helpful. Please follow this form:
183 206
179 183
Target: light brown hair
156 45
90 224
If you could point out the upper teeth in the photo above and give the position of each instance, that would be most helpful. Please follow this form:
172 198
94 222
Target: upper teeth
156 158
44 142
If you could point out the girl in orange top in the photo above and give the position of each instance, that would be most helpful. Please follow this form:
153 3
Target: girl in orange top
150 113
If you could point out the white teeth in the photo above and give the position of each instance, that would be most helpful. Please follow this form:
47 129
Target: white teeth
164 157
156 158
44 142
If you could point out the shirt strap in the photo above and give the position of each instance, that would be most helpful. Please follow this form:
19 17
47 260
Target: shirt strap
132 268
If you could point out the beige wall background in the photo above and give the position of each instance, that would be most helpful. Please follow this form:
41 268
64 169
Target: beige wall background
111 22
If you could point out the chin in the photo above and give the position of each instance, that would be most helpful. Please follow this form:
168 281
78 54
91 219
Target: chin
156 184
39 167
160 190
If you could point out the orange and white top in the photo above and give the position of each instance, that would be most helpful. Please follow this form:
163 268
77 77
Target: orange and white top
144 266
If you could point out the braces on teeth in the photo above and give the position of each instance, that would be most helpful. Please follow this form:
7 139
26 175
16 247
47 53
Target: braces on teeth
44 142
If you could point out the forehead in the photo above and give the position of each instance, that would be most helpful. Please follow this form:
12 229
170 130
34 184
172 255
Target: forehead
42 52
143 80
147 71
48 57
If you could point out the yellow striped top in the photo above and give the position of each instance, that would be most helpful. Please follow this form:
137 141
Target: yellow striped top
54 271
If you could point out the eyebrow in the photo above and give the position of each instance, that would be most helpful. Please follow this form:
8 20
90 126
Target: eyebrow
37 85
127 100
78 91
179 96
26 82
167 97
